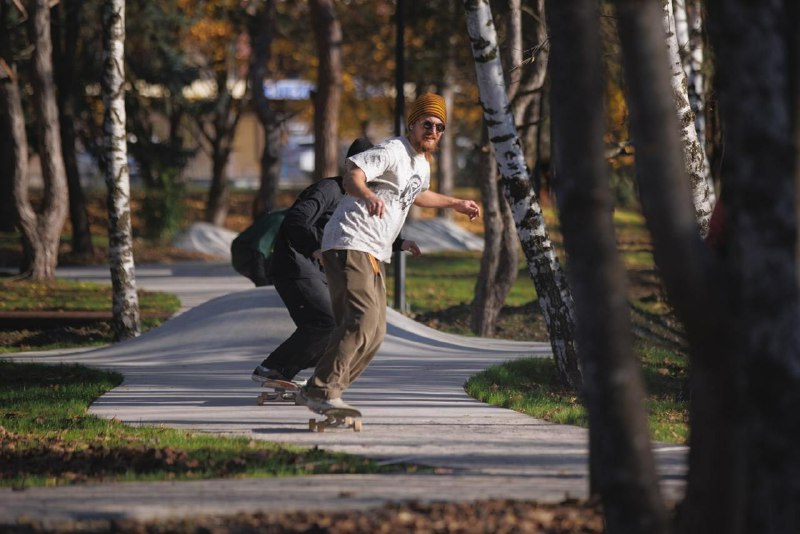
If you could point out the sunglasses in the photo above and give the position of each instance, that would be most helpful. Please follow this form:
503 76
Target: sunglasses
429 126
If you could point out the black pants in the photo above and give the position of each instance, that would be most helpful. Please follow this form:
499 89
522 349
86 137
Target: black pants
309 305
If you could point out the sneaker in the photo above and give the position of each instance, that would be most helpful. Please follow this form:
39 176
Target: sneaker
318 404
262 374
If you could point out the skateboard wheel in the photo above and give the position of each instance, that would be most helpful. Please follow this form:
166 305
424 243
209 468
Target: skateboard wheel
260 400
348 421
357 425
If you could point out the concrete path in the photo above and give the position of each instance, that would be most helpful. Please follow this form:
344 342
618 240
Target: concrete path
193 372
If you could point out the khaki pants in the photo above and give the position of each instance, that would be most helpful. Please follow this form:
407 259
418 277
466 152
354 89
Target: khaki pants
357 285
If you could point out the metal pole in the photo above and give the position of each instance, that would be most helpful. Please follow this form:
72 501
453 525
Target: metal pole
399 259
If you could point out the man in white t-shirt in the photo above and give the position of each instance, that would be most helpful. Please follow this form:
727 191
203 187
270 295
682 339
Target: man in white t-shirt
381 184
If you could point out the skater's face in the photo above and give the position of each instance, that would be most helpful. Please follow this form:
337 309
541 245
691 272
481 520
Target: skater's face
425 133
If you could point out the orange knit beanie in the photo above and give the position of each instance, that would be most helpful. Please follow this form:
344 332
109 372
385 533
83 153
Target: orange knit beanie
427 105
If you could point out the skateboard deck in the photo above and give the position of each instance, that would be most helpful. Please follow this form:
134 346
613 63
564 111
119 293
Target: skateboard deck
282 391
337 418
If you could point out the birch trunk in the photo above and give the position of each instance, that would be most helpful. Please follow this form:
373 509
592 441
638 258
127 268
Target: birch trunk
551 285
125 301
689 30
694 152
500 252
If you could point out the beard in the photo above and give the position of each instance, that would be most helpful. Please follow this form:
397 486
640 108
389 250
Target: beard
427 145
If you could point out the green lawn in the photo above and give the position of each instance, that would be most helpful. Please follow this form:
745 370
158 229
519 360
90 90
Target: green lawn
48 438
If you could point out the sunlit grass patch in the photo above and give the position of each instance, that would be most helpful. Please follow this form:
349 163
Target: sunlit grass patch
531 386
48 438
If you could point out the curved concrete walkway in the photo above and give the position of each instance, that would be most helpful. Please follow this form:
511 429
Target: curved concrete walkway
193 372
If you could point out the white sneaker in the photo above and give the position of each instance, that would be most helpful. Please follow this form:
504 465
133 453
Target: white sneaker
319 405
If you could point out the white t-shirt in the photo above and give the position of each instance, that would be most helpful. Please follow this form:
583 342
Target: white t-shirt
397 174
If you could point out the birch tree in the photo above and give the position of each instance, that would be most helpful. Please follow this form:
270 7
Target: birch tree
689 31
621 461
125 301
500 252
694 152
555 296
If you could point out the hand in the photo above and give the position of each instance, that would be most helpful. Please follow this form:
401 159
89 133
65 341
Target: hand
317 256
375 205
410 246
469 208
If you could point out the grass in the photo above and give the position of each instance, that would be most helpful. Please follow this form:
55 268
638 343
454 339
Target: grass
48 438
71 296
531 386
447 279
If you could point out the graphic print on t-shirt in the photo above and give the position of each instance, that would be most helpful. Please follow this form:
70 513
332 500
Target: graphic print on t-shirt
412 189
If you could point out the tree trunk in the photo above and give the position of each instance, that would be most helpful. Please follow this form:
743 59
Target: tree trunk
757 47
689 31
499 260
18 148
219 132
500 252
266 197
219 193
696 285
65 58
42 231
8 211
125 301
445 162
621 461
328 34
694 152
8 144
555 297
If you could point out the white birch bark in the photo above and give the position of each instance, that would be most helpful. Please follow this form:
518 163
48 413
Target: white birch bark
694 153
549 279
689 31
125 301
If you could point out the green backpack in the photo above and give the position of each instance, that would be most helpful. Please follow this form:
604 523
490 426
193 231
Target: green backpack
251 251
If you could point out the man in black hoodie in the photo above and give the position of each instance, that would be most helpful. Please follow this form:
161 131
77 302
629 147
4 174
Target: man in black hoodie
300 281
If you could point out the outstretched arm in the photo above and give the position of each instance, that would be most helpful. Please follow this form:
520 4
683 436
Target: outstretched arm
432 199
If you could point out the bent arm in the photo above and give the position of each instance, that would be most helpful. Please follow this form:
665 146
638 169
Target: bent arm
355 183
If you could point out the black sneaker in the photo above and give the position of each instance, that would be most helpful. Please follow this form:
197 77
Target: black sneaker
261 374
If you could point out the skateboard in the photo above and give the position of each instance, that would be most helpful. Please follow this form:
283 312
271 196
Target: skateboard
336 418
282 390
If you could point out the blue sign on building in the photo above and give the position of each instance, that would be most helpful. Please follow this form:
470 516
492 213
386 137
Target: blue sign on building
288 89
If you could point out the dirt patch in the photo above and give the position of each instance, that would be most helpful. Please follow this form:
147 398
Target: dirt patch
491 516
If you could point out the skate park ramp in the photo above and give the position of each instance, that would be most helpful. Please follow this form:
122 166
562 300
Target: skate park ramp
194 372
